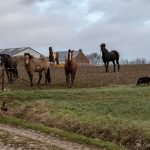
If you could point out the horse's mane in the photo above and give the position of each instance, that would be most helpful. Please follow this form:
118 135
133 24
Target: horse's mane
30 56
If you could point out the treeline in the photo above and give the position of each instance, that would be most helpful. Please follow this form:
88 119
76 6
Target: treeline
96 59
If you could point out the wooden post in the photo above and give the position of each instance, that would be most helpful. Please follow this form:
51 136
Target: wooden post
2 78
117 75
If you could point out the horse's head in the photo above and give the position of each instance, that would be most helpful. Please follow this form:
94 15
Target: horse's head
26 58
70 55
103 49
102 45
50 50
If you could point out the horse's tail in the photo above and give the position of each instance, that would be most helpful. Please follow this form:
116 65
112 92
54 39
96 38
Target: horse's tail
48 75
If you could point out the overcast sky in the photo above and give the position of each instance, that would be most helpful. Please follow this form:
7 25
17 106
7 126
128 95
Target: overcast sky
123 25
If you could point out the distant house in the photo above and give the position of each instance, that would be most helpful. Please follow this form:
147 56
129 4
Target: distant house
21 51
78 56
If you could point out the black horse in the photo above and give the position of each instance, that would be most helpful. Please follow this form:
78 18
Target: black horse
10 65
109 56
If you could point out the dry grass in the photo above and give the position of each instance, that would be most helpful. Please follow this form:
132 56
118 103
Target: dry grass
87 76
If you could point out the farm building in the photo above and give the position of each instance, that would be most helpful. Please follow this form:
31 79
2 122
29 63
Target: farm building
78 56
21 51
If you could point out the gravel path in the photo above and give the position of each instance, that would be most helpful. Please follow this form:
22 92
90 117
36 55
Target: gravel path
15 138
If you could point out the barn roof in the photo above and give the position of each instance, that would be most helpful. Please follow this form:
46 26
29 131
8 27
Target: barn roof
14 51
63 54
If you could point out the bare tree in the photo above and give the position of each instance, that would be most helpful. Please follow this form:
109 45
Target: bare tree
94 58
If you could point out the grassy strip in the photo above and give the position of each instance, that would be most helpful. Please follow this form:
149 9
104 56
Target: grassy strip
63 134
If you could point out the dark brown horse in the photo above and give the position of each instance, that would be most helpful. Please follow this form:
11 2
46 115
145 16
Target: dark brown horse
109 56
10 65
53 57
39 65
70 68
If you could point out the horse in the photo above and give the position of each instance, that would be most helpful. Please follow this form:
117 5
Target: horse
39 65
109 56
70 68
53 57
10 65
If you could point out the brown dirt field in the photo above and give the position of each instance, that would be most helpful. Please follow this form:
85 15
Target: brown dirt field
86 76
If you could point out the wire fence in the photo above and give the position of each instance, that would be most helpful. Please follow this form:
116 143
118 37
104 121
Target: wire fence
86 76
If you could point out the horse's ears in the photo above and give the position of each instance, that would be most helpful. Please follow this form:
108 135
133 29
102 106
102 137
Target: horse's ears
25 54
71 50
50 48
103 44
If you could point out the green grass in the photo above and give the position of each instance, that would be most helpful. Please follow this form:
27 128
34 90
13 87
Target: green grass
115 114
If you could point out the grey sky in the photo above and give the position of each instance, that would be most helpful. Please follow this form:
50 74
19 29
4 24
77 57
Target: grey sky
123 25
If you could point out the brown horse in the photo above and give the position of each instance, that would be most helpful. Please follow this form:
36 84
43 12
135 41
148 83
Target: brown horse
53 57
39 65
70 68
109 56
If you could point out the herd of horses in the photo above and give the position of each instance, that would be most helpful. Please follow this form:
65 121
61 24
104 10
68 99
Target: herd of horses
40 65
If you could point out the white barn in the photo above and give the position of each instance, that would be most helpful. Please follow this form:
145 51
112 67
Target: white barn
21 51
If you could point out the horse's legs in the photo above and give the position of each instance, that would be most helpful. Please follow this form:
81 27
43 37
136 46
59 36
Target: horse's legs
107 64
10 72
7 72
40 77
117 61
67 79
57 61
114 66
105 67
11 76
46 76
72 79
31 77
15 73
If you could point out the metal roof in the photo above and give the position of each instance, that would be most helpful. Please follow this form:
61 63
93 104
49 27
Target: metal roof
13 51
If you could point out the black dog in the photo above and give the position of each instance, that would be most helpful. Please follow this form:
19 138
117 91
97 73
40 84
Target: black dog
143 80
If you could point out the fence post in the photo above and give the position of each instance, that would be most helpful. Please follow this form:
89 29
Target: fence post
2 78
117 75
